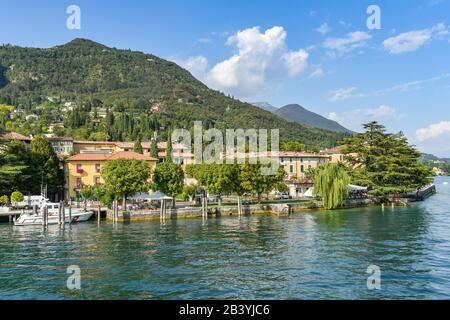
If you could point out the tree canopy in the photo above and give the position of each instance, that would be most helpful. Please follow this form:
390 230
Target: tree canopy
331 184
385 162
168 178
126 177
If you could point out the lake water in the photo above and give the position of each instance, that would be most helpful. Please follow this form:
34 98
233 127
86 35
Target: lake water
314 255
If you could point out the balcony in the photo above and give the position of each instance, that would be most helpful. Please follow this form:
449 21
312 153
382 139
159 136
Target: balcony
79 170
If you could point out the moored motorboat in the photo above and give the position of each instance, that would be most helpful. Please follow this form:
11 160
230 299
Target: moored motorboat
29 218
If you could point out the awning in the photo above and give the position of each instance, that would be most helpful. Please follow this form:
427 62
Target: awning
352 187
155 196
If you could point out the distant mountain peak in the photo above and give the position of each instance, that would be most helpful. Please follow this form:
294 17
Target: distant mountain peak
297 113
265 106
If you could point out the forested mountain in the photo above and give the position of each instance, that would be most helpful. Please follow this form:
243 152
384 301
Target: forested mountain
90 91
296 113
435 162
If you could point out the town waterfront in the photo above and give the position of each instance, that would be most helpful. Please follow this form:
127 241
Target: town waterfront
313 255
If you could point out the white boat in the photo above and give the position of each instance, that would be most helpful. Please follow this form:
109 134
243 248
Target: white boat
29 219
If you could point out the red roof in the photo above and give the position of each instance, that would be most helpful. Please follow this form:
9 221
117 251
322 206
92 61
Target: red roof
110 156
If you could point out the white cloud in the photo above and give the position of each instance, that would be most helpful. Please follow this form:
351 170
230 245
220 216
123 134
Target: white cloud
433 131
412 85
324 28
317 73
350 93
354 118
413 40
260 58
196 65
342 94
340 46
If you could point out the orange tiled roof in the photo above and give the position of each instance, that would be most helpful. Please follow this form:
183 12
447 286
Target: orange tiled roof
110 156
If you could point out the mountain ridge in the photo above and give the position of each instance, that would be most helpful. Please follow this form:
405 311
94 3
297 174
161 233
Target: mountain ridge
296 113
125 83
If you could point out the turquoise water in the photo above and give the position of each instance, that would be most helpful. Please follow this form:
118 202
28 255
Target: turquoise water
317 255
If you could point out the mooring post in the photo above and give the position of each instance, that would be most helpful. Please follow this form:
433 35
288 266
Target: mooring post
115 210
98 213
46 215
59 214
63 213
164 209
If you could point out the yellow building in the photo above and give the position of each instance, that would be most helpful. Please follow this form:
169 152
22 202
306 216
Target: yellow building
84 169
92 146
298 164
295 164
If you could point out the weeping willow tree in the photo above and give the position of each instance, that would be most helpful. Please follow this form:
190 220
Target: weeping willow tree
331 184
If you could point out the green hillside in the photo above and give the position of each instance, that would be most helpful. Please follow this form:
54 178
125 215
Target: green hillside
94 92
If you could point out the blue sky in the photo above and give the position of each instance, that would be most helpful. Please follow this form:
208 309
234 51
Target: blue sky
319 54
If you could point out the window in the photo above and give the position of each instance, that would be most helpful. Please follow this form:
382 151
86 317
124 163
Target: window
97 168
302 168
97 181
291 168
79 168
78 183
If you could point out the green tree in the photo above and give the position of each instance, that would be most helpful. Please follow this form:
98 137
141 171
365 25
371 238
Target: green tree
138 146
100 193
169 179
293 146
4 200
15 168
385 162
86 194
46 165
218 179
253 180
189 191
125 177
154 149
331 184
169 149
16 197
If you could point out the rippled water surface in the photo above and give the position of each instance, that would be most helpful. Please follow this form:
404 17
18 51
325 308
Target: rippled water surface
316 255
